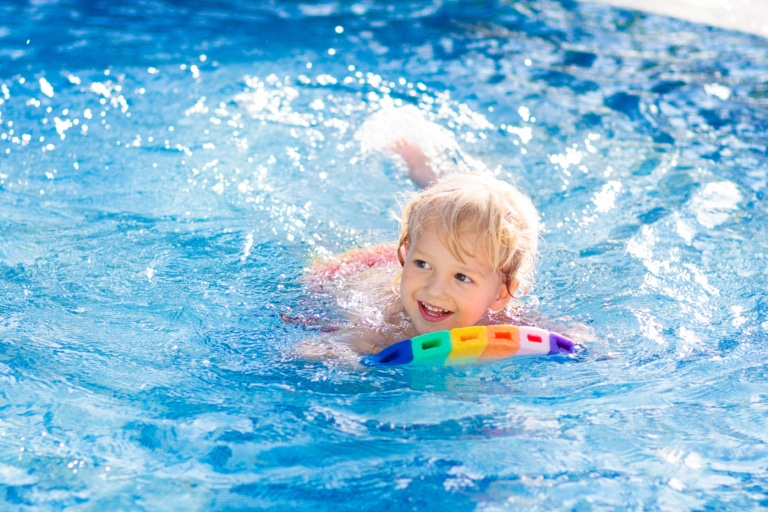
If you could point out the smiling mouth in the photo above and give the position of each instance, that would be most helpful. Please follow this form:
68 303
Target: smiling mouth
432 314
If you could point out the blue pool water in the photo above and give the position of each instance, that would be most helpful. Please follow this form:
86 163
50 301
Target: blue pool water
169 169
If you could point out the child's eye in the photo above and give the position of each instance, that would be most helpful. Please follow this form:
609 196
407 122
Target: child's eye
422 264
463 278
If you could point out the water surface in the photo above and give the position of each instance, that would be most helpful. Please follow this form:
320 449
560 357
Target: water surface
170 169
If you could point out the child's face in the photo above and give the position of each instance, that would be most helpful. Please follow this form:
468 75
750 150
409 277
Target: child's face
441 292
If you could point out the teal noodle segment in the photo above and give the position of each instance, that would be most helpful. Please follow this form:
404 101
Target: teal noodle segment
468 345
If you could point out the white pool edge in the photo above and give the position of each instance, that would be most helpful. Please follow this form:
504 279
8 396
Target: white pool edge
749 16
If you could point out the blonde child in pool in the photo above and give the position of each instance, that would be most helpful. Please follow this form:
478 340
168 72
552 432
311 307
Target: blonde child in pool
467 246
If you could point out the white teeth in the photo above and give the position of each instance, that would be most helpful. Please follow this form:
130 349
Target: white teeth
433 309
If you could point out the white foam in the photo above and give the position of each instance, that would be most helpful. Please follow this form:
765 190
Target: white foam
716 203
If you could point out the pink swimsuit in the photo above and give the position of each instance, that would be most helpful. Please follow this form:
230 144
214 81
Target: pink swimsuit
350 263
335 272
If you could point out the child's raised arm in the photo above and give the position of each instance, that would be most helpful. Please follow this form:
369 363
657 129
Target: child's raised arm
420 169
426 150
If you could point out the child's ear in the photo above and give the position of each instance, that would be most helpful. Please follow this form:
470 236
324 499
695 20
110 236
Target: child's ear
505 295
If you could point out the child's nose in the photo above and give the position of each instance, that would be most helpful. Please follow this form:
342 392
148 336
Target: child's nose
437 286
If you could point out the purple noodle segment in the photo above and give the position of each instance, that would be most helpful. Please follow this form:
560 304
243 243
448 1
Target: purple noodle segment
559 344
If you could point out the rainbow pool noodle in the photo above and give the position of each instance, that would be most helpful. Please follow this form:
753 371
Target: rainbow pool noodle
466 345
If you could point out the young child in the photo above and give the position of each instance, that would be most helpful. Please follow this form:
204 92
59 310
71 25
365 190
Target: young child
467 246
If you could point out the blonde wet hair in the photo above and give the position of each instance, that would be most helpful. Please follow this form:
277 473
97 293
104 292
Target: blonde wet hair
480 216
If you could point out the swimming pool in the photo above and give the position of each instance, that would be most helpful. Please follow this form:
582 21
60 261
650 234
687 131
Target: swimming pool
170 168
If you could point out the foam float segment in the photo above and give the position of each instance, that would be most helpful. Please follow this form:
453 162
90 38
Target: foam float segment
397 354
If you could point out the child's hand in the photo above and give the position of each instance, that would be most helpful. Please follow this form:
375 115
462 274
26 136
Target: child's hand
343 346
